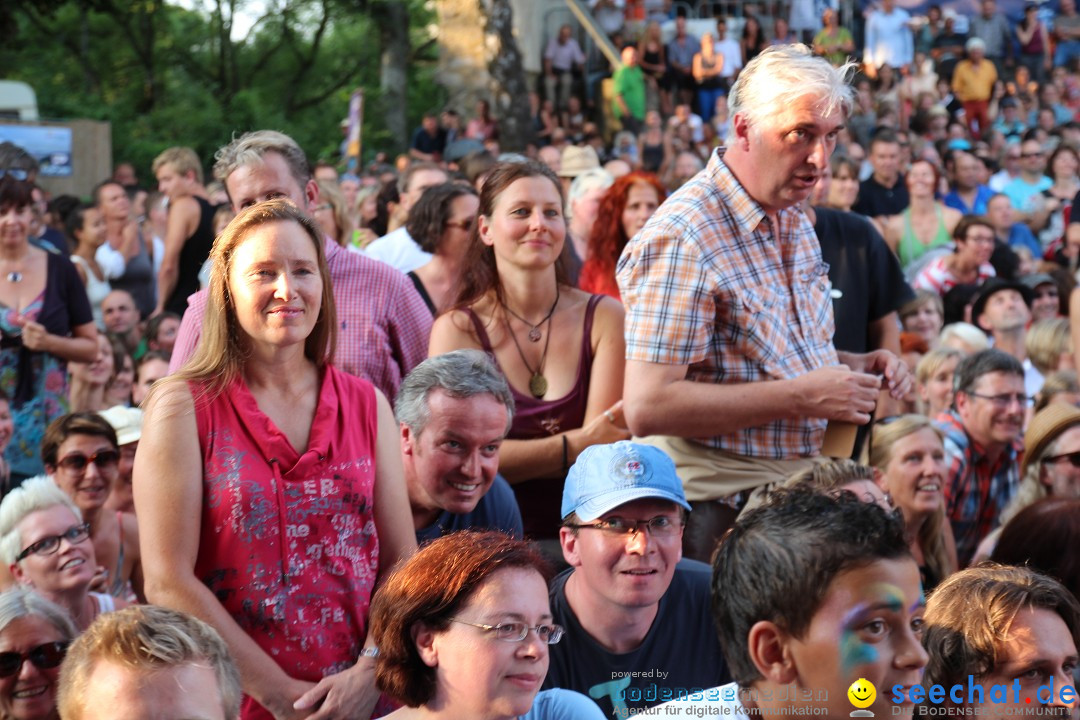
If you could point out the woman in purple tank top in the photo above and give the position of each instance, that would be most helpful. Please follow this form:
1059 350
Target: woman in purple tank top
560 348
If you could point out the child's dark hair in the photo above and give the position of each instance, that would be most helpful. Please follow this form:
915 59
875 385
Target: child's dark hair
779 560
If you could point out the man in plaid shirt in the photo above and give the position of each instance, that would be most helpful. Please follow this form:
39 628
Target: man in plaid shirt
729 324
983 448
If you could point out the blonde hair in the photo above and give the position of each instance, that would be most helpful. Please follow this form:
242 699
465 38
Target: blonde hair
830 477
330 193
220 356
930 538
37 493
146 639
1046 341
183 161
966 334
1056 383
933 361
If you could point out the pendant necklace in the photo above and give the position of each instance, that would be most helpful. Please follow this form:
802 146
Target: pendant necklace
538 384
534 330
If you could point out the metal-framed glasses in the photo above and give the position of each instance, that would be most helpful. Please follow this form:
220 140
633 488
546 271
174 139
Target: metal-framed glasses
48 545
44 657
659 526
1005 399
518 631
77 462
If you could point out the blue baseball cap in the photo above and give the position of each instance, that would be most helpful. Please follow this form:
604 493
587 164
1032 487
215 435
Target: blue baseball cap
607 476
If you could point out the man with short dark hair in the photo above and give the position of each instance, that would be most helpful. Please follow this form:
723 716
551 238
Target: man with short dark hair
429 140
397 248
455 410
982 445
884 193
635 616
121 318
967 195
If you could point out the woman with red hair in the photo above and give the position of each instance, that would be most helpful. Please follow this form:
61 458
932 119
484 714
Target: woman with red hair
624 209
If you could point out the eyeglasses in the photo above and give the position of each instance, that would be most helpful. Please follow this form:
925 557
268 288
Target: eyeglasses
77 462
324 206
1073 458
44 657
517 631
1005 399
466 225
48 545
1031 155
984 239
1039 294
659 526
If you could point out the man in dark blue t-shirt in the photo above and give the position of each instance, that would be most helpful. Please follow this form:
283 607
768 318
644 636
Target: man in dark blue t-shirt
637 617
455 410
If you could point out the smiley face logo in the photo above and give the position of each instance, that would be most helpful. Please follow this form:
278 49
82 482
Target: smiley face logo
862 693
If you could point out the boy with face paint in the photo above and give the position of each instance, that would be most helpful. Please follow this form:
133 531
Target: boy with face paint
811 595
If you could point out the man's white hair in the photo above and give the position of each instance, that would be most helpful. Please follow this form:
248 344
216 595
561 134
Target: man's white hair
781 74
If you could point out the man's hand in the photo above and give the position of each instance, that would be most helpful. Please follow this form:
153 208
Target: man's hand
836 393
885 364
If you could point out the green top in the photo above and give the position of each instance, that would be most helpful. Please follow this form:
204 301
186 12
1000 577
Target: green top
838 57
630 83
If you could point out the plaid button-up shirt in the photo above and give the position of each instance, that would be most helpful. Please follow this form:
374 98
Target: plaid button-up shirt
976 490
708 284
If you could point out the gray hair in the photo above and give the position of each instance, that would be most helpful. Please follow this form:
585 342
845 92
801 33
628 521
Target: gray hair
37 493
460 374
594 179
19 602
781 74
250 148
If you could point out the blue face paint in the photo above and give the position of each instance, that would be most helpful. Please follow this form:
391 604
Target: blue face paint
854 652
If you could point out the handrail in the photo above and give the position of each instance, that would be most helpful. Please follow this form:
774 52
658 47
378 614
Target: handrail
598 36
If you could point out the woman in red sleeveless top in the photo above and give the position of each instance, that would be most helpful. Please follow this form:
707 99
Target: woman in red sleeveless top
560 349
270 483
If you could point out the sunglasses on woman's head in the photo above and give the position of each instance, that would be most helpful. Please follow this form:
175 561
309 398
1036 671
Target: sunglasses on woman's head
44 657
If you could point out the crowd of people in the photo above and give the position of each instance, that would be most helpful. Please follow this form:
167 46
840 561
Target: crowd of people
723 417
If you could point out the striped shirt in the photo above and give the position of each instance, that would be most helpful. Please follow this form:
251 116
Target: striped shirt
383 325
707 284
937 277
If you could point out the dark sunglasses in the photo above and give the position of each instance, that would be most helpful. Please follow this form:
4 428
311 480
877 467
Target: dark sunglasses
44 657
1073 458
77 462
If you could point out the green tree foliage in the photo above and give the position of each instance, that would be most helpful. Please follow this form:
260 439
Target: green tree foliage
165 74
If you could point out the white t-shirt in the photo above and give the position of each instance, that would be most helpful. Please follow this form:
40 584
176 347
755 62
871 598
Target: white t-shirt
722 701
398 250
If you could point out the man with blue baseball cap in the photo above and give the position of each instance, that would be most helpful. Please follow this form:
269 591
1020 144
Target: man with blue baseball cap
637 616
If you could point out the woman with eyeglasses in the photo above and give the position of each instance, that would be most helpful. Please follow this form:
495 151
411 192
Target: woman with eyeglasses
45 542
441 223
908 456
34 637
45 322
81 453
463 629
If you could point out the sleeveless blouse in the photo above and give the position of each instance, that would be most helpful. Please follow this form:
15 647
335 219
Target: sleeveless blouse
911 248
288 542
192 256
540 499
96 289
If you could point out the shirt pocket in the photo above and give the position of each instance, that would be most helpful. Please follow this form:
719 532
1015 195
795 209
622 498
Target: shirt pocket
814 310
764 320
